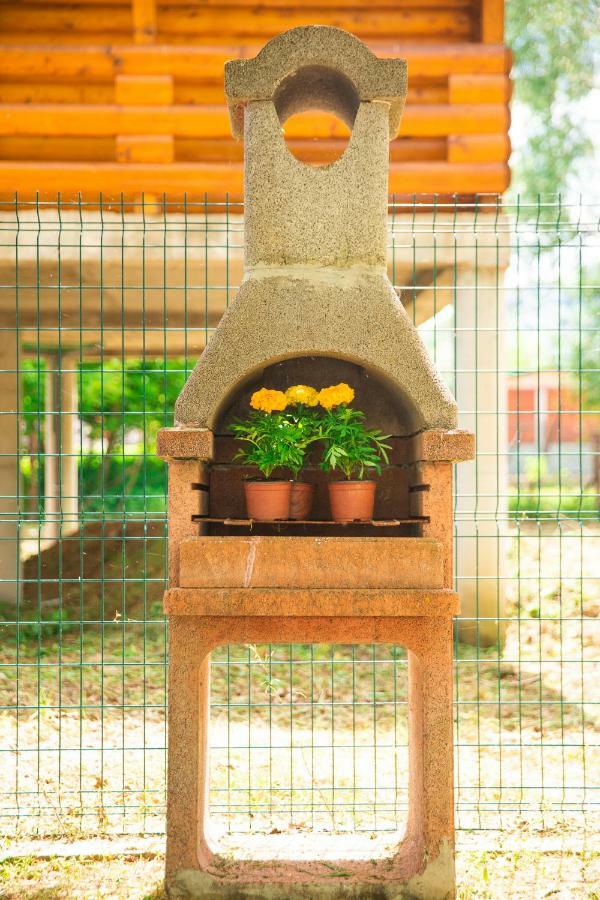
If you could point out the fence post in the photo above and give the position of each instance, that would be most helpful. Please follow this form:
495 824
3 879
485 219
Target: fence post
61 488
481 510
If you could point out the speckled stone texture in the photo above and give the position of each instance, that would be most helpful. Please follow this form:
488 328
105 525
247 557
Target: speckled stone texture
311 562
354 315
315 288
185 443
337 603
418 618
315 67
422 865
299 214
315 278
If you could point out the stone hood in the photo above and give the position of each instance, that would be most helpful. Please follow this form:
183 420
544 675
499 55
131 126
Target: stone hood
315 281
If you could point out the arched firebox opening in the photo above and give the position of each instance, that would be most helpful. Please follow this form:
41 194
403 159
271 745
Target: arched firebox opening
384 409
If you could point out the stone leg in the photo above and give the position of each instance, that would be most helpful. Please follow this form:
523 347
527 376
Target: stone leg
9 465
189 715
431 761
422 867
482 484
61 483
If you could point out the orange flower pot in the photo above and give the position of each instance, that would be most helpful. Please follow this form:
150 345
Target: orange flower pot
268 501
352 501
301 499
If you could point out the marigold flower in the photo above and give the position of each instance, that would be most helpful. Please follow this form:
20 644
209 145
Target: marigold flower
302 393
268 401
335 395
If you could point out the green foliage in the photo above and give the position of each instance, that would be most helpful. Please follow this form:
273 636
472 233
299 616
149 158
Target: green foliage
550 501
117 397
587 352
554 56
348 446
54 624
275 440
132 482
121 407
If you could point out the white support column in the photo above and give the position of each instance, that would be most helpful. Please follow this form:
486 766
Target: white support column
60 448
9 463
481 485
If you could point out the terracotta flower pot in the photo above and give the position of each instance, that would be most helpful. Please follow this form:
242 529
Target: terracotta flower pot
352 501
301 499
267 501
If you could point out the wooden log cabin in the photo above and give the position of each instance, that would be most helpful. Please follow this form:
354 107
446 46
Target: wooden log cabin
127 96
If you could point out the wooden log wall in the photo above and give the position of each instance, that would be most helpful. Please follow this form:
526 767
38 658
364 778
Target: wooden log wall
127 95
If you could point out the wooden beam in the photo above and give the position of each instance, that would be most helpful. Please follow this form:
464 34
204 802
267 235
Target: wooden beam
491 21
160 87
48 91
432 120
19 19
442 119
422 304
206 63
448 178
200 20
58 149
312 4
264 22
479 89
111 179
144 15
478 148
144 90
145 148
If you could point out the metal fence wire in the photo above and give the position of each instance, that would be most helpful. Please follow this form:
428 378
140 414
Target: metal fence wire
104 309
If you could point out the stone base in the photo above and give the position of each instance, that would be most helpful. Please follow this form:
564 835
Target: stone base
295 880
421 865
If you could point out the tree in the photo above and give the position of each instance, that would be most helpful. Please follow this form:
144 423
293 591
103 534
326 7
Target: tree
555 47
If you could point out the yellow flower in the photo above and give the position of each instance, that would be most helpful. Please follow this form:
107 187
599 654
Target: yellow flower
268 401
302 393
335 395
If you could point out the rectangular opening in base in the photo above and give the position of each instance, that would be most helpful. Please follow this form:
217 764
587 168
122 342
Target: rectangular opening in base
308 750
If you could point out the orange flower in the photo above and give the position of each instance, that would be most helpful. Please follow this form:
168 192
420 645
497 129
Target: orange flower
302 393
336 395
268 401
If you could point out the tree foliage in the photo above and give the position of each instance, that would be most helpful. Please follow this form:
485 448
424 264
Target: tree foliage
555 48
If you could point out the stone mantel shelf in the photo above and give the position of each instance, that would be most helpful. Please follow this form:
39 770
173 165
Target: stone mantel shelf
325 603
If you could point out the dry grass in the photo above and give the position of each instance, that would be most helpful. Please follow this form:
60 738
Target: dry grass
563 865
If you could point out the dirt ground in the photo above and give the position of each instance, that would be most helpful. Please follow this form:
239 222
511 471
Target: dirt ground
555 863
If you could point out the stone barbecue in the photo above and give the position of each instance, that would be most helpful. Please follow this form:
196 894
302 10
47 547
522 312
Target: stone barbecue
315 306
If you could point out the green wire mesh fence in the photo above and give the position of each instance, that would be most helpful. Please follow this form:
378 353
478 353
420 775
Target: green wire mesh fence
104 309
